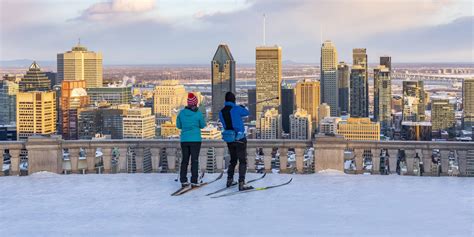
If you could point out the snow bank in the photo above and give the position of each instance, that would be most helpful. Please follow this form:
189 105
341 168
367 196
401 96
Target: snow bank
331 172
44 174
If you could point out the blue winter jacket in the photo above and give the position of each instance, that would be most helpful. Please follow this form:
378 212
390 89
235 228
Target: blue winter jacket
236 113
190 122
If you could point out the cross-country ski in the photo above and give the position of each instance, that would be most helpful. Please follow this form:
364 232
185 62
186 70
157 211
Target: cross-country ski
194 187
234 184
253 190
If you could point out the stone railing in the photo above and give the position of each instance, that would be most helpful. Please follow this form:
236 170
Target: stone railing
287 156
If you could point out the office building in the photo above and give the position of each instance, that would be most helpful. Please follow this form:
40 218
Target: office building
8 132
414 101
80 64
113 95
211 133
383 97
73 97
34 80
168 98
288 106
138 123
8 91
252 103
361 129
359 101
416 131
307 95
343 75
328 125
386 61
269 125
102 121
222 78
442 115
468 103
36 113
324 111
300 125
268 79
329 80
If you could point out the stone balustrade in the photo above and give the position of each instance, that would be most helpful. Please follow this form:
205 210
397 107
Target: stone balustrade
287 156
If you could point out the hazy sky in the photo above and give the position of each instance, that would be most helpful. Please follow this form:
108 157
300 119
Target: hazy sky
188 31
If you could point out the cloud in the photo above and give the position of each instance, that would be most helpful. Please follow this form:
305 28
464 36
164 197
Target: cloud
105 10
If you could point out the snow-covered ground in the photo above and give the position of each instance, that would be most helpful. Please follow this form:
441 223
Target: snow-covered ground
325 204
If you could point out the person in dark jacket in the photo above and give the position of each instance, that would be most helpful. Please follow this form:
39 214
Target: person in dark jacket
190 120
231 117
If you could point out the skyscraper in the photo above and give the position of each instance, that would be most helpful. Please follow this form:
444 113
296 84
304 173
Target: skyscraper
139 123
168 98
80 64
35 80
73 97
300 125
268 78
288 106
442 115
329 81
359 102
269 125
382 97
222 78
101 120
324 111
252 100
468 103
343 75
114 95
36 113
386 61
414 101
307 95
8 92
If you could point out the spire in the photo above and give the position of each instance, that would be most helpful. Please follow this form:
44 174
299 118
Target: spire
34 65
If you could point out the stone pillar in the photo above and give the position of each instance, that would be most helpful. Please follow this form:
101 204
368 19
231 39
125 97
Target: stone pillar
375 161
14 162
139 156
444 161
171 156
426 156
122 161
283 159
251 159
299 155
90 158
359 160
267 159
329 156
410 155
155 159
220 152
462 161
393 153
107 159
74 158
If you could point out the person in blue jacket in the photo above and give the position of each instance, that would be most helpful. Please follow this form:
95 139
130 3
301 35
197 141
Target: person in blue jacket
190 120
231 117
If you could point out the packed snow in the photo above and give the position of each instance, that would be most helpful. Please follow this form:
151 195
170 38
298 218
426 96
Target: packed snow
45 204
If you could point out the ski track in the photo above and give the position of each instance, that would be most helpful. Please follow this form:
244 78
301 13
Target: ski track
312 205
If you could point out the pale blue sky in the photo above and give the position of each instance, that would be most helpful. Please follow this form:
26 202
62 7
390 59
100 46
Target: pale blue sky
188 31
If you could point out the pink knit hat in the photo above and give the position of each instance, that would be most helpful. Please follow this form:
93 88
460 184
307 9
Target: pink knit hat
192 100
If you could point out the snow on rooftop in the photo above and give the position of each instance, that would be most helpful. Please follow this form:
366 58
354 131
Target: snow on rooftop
312 205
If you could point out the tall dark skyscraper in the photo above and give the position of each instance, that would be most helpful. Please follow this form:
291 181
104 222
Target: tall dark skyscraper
222 78
35 80
252 99
359 92
386 61
288 106
343 74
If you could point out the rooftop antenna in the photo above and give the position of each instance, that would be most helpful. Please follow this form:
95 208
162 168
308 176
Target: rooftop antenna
321 33
79 41
264 19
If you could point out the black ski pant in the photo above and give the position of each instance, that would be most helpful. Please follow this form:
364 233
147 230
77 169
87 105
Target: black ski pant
190 149
238 152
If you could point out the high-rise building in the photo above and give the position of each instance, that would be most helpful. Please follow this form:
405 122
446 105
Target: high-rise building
35 80
324 111
383 97
468 103
328 125
442 115
13 77
36 113
288 106
252 102
222 78
343 75
268 78
168 98
329 80
114 95
386 61
269 125
307 94
8 91
359 129
416 131
359 101
101 121
73 97
80 64
414 101
139 123
300 125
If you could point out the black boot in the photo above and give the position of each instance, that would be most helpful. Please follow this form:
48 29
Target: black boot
243 187
185 184
229 182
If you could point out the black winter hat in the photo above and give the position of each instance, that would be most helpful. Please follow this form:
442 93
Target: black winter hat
229 97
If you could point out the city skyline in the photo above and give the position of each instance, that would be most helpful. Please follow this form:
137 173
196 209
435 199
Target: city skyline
408 31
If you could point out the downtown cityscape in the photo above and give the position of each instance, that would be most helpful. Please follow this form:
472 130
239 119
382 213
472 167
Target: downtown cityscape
351 123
